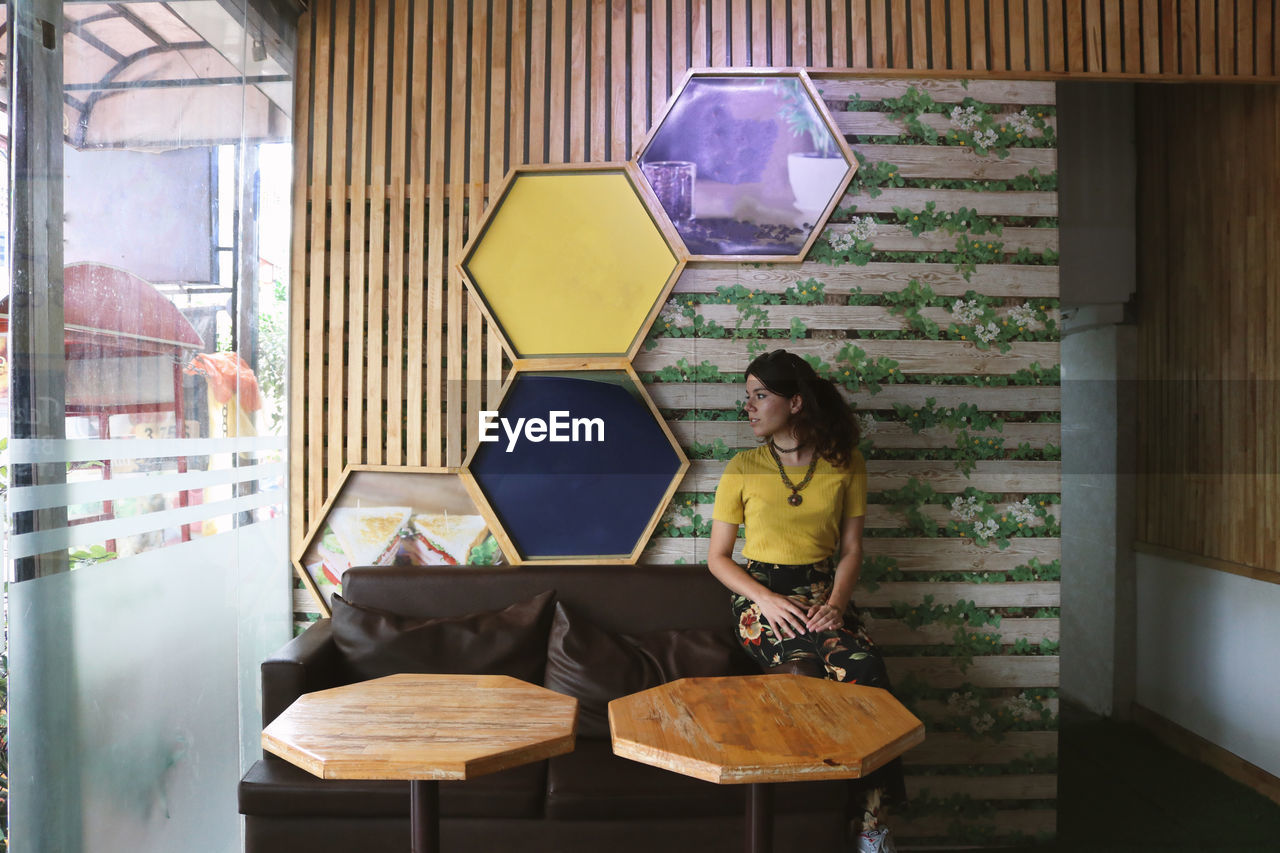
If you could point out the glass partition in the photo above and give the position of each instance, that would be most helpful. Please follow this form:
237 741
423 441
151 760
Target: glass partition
144 305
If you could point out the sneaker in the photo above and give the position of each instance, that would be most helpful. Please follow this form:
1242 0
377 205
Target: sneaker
876 840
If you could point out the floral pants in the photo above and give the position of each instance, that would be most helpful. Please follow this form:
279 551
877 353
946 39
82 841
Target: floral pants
847 652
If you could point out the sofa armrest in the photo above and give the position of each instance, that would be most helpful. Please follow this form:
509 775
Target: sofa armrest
310 661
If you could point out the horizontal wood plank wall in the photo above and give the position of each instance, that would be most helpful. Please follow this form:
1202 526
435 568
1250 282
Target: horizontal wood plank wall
1209 272
958 436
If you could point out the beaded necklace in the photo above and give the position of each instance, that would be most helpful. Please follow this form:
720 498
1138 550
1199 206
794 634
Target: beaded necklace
794 499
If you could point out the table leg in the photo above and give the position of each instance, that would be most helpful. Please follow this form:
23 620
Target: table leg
760 818
424 816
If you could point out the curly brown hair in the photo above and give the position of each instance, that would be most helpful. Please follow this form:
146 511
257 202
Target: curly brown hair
825 420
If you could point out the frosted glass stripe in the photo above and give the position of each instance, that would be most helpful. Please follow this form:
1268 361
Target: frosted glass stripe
32 450
44 541
67 494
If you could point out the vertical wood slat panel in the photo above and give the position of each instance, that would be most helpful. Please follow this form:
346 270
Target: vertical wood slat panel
320 181
558 113
436 260
456 302
977 35
1244 38
356 299
799 41
1017 20
415 319
1151 11
659 50
398 109
1188 60
760 33
480 69
1093 36
1266 39
537 82
739 53
598 99
938 34
1039 53
779 38
1132 25
301 481
717 26
1209 314
336 289
898 26
919 34
959 38
1226 36
1077 46
1113 40
698 54
881 40
997 45
819 35
378 137
578 79
639 78
618 147
858 30
1206 44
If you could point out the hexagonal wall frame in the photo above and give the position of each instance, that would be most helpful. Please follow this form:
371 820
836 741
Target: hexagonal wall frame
384 515
593 495
747 163
572 260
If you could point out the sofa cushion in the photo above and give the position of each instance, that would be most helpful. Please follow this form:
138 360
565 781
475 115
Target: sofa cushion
511 641
275 788
597 666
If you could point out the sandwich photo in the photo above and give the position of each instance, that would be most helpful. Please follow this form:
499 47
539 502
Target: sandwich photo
360 536
443 539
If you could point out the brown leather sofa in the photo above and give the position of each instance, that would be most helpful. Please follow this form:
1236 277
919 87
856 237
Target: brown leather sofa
607 631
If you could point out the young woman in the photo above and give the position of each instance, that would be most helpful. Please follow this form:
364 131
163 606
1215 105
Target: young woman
802 496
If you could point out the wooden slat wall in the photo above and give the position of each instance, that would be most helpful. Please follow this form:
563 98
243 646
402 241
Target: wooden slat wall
1209 272
407 110
410 111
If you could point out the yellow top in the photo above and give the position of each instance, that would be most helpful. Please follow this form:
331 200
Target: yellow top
751 492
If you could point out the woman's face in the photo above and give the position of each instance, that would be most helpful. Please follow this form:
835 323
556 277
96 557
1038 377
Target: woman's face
769 413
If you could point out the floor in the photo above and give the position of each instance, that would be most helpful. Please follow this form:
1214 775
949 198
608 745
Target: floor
1120 789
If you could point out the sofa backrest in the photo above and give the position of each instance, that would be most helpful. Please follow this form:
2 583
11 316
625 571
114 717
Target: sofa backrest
629 599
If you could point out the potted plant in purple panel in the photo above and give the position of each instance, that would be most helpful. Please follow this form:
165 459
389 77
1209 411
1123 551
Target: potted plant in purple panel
815 174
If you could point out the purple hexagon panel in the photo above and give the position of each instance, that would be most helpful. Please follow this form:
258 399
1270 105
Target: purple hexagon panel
746 165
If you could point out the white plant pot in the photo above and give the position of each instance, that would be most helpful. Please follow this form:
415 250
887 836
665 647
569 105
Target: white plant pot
814 180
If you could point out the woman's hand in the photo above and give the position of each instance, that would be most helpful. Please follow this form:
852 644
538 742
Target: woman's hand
784 616
823 617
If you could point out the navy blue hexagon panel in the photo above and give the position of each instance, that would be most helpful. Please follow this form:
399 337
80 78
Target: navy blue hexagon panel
575 465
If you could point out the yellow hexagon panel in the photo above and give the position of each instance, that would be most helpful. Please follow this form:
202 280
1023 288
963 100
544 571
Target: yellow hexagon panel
570 261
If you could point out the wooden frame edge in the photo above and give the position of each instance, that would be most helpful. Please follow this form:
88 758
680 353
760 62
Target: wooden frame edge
1211 563
1199 749
318 523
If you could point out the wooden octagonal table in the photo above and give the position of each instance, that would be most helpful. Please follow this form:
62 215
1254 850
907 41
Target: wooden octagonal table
423 728
762 729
